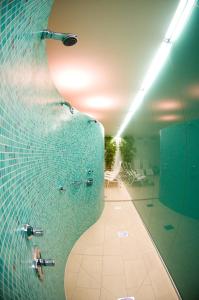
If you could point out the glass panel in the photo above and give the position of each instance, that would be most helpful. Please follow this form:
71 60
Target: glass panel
166 135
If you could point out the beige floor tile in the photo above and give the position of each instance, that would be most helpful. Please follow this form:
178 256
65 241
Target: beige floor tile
104 266
145 292
135 273
129 249
111 232
106 295
73 263
70 284
115 285
113 265
92 264
86 294
85 247
94 250
112 247
87 280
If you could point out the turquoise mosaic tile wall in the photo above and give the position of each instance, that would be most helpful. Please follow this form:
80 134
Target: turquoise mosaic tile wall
43 146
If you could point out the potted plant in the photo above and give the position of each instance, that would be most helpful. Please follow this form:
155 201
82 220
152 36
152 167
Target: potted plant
127 149
110 150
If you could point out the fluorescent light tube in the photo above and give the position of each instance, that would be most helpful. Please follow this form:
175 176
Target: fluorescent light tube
176 26
156 65
179 20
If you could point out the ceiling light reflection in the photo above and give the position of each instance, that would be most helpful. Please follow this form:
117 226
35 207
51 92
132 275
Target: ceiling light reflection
169 118
193 91
167 105
73 79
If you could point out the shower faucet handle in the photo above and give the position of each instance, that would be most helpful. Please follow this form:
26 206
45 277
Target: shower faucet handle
37 231
30 231
89 182
38 263
62 189
45 262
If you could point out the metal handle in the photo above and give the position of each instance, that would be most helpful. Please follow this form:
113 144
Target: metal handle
62 189
89 181
30 231
45 262
39 262
38 232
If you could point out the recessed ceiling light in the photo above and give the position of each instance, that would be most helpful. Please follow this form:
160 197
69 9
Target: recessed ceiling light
73 79
167 104
99 102
169 118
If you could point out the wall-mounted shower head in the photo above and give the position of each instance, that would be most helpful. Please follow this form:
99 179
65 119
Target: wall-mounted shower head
92 121
63 103
68 39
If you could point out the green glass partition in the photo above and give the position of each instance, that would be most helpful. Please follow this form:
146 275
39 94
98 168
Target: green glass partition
166 137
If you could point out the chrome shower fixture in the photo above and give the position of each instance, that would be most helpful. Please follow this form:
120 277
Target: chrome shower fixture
92 120
68 39
63 103
30 231
62 189
39 262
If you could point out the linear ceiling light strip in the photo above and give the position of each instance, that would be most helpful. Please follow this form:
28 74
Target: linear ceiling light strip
175 28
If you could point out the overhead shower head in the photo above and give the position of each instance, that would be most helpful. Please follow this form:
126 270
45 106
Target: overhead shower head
68 39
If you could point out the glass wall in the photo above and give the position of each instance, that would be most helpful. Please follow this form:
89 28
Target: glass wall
163 176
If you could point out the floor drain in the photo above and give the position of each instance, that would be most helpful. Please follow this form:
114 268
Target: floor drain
122 234
168 227
150 205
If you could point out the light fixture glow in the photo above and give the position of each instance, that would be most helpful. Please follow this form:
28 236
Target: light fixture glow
99 102
176 26
168 105
169 118
193 91
179 20
156 65
73 79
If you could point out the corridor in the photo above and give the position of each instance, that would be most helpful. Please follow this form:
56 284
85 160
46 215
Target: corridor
115 257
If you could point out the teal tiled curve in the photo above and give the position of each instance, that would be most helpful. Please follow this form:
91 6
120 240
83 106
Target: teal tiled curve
42 147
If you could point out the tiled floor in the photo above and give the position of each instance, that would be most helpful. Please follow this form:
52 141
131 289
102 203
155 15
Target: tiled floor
115 257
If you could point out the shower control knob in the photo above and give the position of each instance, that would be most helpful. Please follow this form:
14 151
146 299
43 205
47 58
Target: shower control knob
89 172
37 231
39 262
30 231
45 262
62 189
89 182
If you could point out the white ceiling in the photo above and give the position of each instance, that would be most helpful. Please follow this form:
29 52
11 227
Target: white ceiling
117 40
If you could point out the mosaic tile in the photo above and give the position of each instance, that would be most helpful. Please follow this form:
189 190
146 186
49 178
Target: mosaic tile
42 147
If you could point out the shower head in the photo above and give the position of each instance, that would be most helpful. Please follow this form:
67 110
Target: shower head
92 120
63 103
68 39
